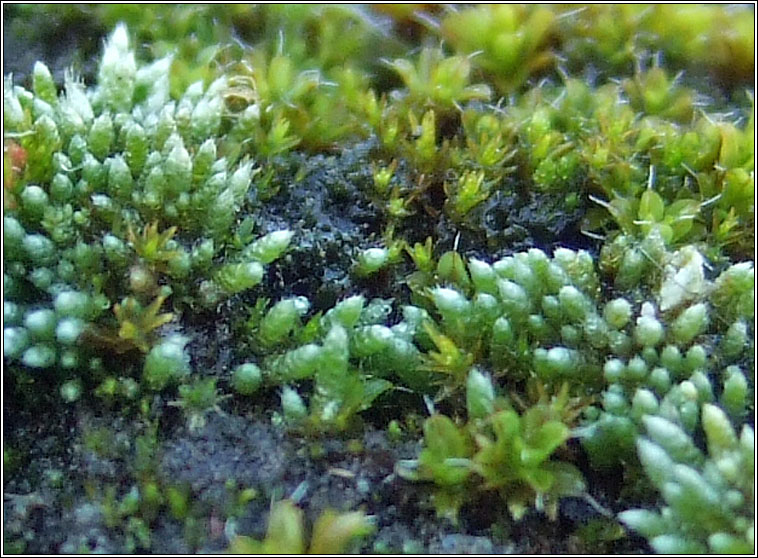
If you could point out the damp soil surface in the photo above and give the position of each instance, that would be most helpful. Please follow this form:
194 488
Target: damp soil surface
241 449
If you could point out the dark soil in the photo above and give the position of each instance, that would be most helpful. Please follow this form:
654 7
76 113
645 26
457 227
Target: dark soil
57 515
67 38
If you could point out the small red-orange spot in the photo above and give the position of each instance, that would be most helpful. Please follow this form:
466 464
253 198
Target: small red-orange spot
17 155
14 163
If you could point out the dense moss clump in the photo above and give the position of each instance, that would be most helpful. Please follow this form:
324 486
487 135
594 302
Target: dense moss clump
483 258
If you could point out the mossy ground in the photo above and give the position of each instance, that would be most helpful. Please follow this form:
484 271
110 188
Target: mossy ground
333 219
67 466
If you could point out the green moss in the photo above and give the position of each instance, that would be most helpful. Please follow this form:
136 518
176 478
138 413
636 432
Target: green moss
203 167
332 532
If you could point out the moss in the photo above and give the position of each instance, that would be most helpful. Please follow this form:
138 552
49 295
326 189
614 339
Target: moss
513 218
